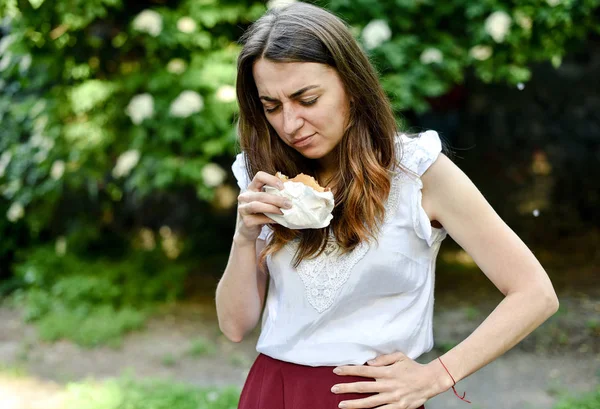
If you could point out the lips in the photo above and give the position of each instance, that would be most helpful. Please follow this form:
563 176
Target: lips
302 141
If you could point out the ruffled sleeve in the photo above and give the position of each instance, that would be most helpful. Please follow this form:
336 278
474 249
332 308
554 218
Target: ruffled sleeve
239 171
418 154
243 180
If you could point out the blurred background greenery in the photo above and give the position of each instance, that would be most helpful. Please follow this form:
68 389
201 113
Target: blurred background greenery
117 133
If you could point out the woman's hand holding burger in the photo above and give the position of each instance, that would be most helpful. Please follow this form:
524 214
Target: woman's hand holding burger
253 203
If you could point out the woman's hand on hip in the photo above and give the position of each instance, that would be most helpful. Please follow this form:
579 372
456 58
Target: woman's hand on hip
400 383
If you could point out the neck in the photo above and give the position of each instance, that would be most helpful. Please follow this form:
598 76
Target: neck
324 176
327 166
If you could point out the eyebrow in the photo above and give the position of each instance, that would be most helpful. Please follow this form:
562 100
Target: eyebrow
291 96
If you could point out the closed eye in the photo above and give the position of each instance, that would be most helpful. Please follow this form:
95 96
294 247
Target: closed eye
304 103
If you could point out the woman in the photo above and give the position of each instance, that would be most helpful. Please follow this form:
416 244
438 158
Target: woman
361 289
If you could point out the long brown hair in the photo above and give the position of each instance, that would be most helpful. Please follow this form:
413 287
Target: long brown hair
305 33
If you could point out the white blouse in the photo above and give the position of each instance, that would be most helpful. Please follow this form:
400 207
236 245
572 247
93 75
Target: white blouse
378 299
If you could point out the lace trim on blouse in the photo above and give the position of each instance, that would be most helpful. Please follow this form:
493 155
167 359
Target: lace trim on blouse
324 275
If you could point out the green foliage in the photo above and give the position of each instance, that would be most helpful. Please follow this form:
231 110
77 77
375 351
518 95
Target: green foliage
200 347
103 325
431 45
169 360
148 394
93 302
118 118
101 112
587 401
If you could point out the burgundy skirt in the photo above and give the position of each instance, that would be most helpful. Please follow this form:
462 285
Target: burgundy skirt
275 384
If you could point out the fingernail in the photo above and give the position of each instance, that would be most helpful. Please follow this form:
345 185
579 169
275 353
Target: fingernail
287 204
371 362
335 389
337 371
342 405
280 185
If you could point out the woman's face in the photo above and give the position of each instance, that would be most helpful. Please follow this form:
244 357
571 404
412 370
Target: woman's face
305 103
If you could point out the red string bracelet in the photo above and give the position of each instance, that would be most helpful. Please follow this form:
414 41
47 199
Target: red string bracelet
464 393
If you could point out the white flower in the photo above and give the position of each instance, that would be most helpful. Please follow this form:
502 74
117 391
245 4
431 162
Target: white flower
5 42
226 93
186 25
186 104
213 175
40 123
36 3
176 66
431 55
140 107
5 61
125 163
556 61
40 156
15 212
38 108
25 63
481 52
553 3
58 169
4 161
60 247
148 21
275 4
523 20
497 25
375 33
38 140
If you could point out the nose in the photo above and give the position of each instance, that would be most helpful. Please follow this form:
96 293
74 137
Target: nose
291 121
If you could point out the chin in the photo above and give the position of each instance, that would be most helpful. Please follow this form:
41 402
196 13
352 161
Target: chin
312 153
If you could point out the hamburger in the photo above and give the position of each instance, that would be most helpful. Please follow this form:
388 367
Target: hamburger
312 204
304 179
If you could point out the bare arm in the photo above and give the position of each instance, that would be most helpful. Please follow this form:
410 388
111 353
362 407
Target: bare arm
241 291
451 198
240 295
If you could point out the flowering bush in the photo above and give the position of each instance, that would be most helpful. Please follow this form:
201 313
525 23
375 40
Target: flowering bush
107 105
423 49
106 102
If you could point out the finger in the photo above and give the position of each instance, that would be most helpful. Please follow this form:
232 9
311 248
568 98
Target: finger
262 220
253 208
359 387
256 220
360 370
369 402
269 198
263 178
387 359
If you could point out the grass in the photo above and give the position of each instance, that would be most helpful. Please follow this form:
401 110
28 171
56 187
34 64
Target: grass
239 360
169 360
148 394
587 401
445 346
593 325
13 371
100 326
201 347
129 393
472 313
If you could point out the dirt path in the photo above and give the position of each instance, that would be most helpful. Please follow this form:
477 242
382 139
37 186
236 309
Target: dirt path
564 354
